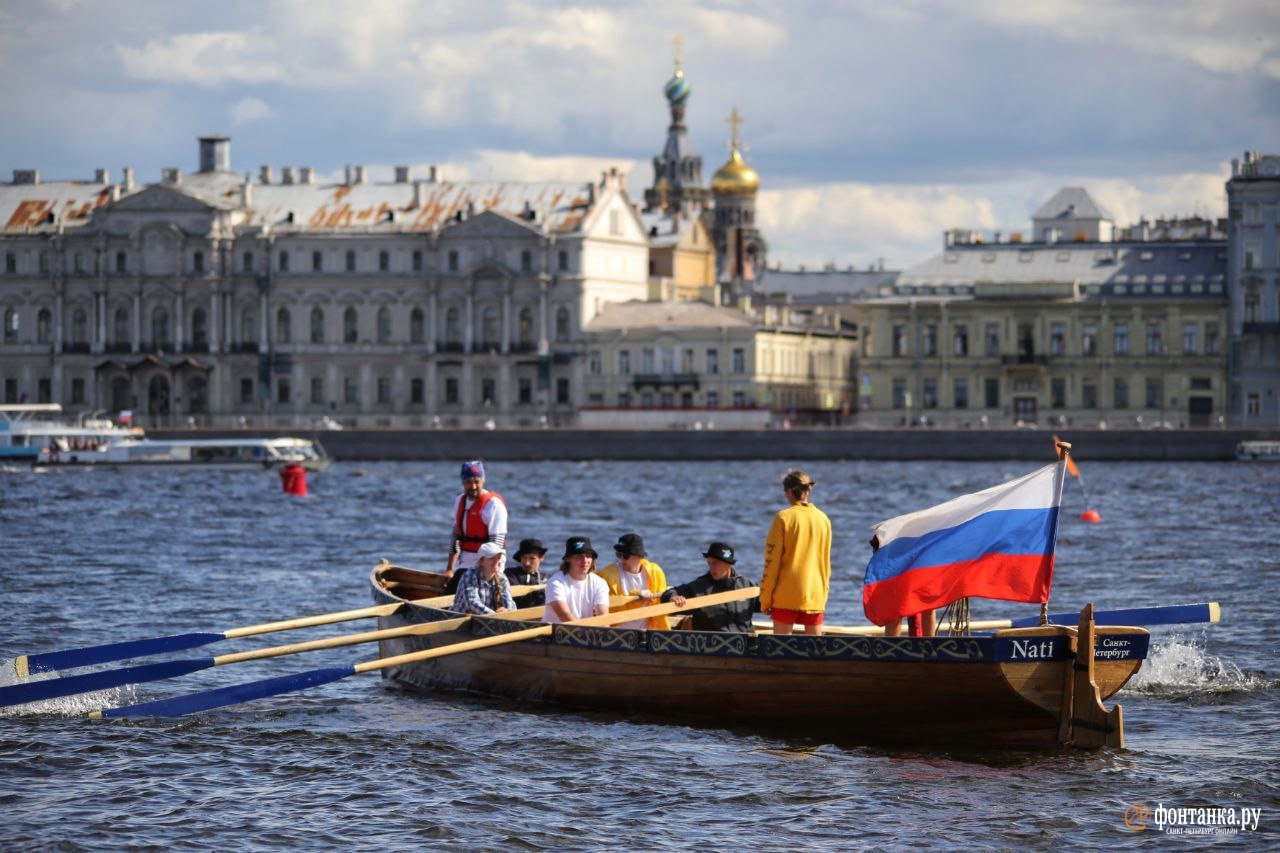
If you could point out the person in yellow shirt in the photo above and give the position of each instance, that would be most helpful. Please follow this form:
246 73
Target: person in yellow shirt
635 574
797 561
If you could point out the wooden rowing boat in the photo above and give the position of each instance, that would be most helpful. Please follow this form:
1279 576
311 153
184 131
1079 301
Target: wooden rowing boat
1020 688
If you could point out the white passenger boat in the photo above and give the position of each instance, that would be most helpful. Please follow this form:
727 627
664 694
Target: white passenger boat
1258 451
28 431
229 454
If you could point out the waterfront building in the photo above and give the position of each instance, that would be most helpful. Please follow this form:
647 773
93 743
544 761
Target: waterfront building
681 363
214 298
1253 203
1086 332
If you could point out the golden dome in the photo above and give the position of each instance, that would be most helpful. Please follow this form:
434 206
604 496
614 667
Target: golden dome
735 177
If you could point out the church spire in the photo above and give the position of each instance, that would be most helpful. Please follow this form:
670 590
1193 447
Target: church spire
678 166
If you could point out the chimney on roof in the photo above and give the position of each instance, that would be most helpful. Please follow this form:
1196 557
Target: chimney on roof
101 176
402 174
264 174
215 153
419 195
26 176
306 175
246 192
171 175
433 174
359 174
346 177
287 175
127 180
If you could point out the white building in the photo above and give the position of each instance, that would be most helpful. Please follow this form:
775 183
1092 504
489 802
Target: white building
280 300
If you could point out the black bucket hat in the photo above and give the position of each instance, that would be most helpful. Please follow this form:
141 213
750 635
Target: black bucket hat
721 551
530 546
578 545
630 544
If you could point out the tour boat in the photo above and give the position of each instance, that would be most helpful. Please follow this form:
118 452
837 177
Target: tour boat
1258 451
1040 687
225 454
28 430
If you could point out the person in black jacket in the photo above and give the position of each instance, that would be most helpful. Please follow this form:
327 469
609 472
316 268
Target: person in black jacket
528 571
733 616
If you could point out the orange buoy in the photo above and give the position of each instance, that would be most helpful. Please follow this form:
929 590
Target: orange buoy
1091 516
293 478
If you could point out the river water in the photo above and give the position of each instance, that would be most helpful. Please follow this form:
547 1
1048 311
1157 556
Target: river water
98 556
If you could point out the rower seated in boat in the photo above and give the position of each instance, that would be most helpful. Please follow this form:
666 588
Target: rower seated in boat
576 592
484 588
721 576
528 571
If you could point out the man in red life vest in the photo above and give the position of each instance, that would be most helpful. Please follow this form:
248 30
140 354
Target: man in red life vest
479 516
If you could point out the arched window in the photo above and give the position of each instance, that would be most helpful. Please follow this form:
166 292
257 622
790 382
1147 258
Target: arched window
317 325
283 324
197 396
350 328
10 325
79 327
120 396
562 325
248 326
159 327
120 328
158 396
526 325
199 329
44 323
452 327
489 326
384 325
417 326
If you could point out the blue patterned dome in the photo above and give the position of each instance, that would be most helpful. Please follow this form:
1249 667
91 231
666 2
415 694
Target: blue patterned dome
677 89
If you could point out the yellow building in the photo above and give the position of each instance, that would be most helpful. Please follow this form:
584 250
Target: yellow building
681 363
1085 334
682 259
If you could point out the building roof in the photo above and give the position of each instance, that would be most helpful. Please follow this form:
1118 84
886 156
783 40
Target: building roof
662 229
559 206
1071 203
666 315
826 285
1131 268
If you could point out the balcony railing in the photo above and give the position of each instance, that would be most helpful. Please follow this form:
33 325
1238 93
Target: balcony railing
1023 358
677 380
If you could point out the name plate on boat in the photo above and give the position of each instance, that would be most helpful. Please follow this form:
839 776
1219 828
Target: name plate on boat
1106 647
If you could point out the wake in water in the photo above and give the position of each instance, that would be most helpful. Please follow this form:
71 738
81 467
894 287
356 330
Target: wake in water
64 706
1180 668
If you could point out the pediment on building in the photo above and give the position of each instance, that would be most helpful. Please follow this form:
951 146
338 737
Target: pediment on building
491 224
158 198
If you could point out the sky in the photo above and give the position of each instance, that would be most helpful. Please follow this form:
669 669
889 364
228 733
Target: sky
875 126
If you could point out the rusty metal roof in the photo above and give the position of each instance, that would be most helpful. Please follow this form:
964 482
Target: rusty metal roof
559 206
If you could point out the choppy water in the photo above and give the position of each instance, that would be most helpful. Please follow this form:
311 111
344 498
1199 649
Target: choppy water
101 556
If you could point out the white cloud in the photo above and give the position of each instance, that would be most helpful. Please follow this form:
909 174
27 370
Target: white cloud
204 59
249 109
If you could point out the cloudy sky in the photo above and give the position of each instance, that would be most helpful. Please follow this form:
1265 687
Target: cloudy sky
874 125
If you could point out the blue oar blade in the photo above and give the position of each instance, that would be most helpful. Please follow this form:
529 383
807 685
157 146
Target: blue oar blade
233 695
1176 614
52 688
91 655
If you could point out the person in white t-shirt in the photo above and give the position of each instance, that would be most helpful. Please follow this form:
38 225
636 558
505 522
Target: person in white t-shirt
576 592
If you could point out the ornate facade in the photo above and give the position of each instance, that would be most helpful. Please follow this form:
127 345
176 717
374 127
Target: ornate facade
222 300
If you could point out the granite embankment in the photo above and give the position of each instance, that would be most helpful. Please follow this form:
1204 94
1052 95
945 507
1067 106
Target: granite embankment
793 444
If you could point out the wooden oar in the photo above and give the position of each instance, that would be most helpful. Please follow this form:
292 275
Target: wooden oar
210 699
1173 614
53 688
24 665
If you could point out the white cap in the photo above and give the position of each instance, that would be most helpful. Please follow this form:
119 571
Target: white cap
490 549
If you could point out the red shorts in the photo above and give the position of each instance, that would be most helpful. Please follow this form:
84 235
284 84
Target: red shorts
795 617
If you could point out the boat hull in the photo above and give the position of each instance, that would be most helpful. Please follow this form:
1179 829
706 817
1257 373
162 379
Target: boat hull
955 691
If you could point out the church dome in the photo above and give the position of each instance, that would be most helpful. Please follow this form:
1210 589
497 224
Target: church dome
677 89
735 177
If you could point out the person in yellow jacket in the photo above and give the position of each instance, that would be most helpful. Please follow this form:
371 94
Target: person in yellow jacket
797 561
634 574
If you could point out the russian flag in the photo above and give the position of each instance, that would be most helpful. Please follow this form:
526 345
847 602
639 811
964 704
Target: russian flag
997 543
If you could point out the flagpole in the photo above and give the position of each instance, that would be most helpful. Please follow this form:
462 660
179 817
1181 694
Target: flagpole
1064 451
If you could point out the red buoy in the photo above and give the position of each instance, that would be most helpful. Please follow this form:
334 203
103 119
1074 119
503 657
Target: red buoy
293 477
1091 516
